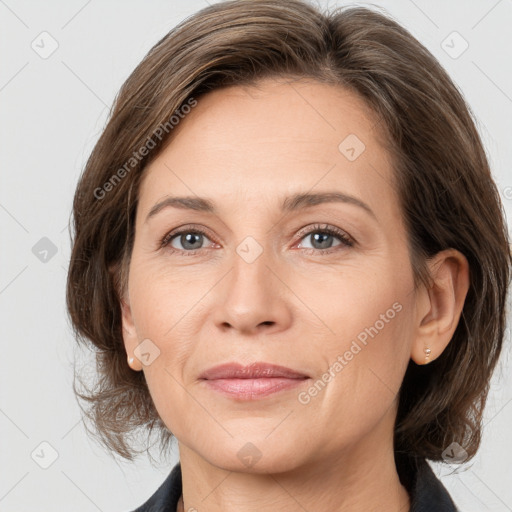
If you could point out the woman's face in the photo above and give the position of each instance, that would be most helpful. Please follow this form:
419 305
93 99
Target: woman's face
264 282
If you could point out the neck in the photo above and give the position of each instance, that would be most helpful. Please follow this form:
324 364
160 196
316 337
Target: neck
356 480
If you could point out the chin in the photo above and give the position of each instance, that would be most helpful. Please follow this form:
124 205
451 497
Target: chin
255 454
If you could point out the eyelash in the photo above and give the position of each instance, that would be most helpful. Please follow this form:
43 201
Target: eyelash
345 240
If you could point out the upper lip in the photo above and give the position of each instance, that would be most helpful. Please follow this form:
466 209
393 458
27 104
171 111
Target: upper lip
251 371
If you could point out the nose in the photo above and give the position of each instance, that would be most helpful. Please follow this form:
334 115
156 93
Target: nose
253 298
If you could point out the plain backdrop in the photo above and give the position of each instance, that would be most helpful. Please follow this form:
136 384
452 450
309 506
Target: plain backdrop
62 64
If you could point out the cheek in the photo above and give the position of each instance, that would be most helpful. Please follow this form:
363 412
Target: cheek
169 305
159 296
362 305
368 349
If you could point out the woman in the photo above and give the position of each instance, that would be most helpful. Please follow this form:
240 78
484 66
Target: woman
290 255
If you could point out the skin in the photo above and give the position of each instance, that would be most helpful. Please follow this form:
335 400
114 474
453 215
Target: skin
296 305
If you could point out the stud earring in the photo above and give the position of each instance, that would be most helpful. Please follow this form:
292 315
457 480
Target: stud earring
130 362
427 354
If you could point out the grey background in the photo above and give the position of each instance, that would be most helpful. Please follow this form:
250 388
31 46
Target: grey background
53 110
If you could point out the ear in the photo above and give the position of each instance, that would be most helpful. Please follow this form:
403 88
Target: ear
119 276
130 337
439 307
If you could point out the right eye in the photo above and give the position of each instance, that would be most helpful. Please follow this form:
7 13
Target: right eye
190 239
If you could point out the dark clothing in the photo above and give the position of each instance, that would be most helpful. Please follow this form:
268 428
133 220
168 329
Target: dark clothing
427 493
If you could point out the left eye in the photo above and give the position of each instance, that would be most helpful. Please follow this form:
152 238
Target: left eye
323 240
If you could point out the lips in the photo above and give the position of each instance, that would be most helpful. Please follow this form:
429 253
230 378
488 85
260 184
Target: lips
252 371
253 382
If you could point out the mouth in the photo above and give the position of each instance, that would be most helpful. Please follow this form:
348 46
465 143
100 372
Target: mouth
253 381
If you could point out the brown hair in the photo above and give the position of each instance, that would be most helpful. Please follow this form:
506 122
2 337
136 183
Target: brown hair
447 194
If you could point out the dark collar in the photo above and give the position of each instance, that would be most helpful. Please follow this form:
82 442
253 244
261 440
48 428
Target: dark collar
427 493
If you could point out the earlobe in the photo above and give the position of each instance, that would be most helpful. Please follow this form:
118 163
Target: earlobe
439 307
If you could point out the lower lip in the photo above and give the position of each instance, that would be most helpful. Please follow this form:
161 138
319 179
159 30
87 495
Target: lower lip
253 389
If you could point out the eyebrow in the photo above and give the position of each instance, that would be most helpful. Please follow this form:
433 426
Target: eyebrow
290 204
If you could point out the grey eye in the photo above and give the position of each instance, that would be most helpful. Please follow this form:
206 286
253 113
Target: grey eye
189 241
321 240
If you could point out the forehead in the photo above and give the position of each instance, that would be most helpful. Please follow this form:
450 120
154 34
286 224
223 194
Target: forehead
270 140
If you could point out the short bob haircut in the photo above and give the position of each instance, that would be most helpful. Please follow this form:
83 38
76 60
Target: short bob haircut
443 180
